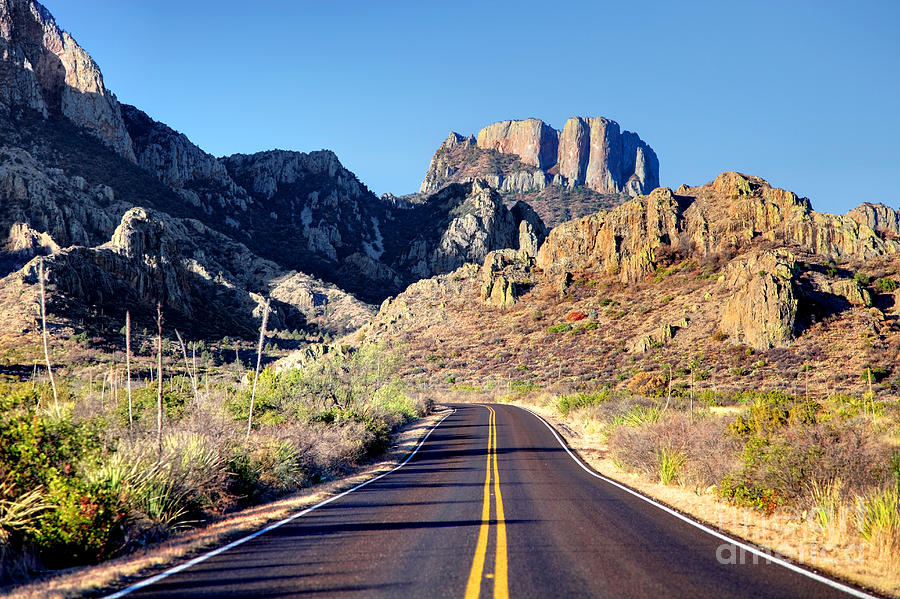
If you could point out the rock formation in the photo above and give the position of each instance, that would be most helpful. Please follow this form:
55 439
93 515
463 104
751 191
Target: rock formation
589 152
42 68
595 153
878 217
762 310
462 224
720 217
534 141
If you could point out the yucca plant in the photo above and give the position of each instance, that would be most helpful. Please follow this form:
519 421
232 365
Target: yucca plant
18 513
878 519
639 416
671 462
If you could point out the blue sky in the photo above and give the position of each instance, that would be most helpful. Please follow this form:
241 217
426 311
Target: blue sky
802 93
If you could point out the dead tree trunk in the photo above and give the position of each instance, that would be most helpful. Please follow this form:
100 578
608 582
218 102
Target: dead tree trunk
159 378
45 336
262 338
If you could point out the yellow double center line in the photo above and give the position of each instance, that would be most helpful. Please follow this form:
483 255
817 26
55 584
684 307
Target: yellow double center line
473 588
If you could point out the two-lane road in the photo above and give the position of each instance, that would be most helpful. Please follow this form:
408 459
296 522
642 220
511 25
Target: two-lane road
491 505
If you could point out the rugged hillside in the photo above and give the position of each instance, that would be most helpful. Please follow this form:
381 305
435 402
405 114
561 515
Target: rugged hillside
591 164
76 167
742 278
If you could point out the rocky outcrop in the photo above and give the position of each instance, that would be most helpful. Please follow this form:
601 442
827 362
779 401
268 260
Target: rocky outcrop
465 223
446 162
762 310
153 258
504 275
42 68
532 231
878 217
67 208
621 242
719 218
532 140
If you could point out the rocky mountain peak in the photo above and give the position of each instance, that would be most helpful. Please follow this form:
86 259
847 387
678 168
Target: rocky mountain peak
590 165
588 152
43 68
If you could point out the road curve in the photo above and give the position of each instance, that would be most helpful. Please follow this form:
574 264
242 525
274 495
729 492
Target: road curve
491 505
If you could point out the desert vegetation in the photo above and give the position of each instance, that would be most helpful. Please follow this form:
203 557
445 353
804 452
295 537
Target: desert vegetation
95 463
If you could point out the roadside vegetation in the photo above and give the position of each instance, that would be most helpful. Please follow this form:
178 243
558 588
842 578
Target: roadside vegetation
89 480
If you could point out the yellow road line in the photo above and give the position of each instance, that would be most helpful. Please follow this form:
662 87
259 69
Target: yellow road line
473 587
501 590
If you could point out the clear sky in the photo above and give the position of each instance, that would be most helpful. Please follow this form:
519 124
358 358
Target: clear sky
802 93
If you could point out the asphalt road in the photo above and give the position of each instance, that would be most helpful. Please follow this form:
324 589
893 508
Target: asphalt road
490 505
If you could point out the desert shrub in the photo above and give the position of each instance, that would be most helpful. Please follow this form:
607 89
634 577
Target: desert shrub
767 412
646 383
559 328
789 446
81 521
638 416
265 467
741 491
676 448
268 404
862 278
886 285
878 373
83 525
670 464
567 403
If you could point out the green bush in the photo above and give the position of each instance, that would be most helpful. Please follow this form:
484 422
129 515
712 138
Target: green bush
886 285
671 462
272 391
567 403
263 468
878 373
84 524
144 401
82 521
746 493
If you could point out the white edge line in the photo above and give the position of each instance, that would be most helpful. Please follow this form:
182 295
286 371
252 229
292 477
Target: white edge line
817 577
202 558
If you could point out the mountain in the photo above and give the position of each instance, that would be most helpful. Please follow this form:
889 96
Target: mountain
123 201
743 278
590 165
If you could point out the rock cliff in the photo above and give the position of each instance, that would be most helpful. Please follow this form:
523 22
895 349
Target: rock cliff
589 152
42 68
722 217
534 141
594 152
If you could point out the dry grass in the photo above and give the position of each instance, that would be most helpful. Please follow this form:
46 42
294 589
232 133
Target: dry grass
146 562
